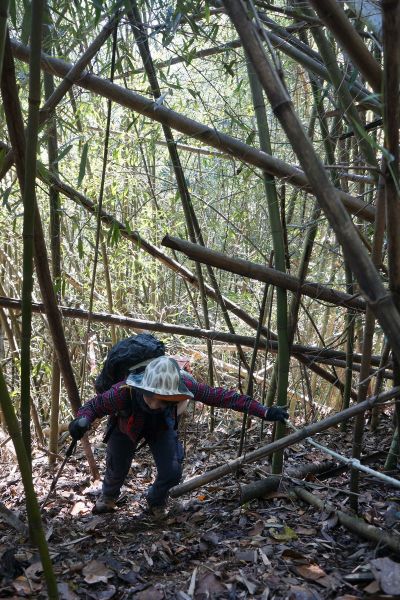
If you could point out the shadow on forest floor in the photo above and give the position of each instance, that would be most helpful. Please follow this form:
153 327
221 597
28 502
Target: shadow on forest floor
209 546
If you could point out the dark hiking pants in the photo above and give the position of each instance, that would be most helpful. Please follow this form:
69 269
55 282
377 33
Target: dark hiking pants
167 452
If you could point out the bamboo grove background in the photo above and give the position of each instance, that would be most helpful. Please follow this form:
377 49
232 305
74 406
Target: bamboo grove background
267 134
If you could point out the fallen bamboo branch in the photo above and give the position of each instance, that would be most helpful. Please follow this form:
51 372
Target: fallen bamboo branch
354 463
11 519
259 488
355 524
285 442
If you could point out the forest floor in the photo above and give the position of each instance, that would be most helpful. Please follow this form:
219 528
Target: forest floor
209 546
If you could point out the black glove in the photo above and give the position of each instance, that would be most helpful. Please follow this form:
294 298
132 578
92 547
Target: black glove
277 413
78 427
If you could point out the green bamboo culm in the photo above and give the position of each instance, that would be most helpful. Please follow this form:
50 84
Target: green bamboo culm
32 506
29 200
3 28
279 256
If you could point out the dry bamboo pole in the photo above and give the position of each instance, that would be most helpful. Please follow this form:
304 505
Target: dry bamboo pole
358 526
29 201
334 17
190 127
360 263
391 28
311 352
285 442
55 242
99 207
16 131
312 62
345 99
263 273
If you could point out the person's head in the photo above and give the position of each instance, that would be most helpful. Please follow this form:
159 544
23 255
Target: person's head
161 383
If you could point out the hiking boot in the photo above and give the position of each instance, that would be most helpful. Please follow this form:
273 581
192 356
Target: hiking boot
156 513
104 504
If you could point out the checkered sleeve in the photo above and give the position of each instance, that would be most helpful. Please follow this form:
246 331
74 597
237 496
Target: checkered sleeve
224 398
108 403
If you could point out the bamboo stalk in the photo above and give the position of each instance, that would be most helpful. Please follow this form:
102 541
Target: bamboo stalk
192 128
55 243
333 15
368 337
312 353
29 200
358 526
3 28
360 263
391 27
16 131
190 218
32 505
289 440
263 273
283 356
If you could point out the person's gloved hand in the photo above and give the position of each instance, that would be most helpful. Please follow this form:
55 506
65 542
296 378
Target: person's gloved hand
78 427
277 413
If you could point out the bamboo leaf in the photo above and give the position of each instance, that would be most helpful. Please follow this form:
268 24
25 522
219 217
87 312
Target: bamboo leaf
83 163
63 153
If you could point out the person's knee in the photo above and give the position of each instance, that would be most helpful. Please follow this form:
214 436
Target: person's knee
175 473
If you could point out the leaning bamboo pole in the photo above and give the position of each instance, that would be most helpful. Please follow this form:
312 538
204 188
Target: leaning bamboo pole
360 263
55 242
333 15
289 440
212 137
313 353
265 274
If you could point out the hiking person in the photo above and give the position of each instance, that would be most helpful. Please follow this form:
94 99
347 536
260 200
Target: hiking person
146 406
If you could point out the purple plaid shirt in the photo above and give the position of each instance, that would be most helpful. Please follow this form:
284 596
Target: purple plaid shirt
118 398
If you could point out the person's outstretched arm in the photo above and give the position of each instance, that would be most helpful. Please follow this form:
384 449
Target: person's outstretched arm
225 398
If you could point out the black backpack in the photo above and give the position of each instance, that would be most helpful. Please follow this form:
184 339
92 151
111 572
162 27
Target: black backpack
124 355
